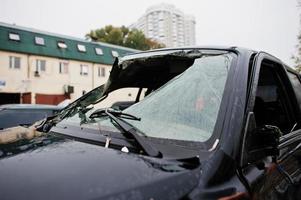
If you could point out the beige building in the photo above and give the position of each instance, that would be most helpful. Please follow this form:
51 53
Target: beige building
40 67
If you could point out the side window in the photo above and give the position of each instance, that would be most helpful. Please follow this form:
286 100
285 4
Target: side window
40 65
84 70
63 67
14 62
101 71
272 104
295 80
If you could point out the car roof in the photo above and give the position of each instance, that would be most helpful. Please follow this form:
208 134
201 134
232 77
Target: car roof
29 107
163 51
167 50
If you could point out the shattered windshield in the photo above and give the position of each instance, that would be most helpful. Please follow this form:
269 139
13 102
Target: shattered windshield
185 108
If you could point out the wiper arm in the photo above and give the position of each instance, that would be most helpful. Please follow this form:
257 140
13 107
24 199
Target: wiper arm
129 129
103 112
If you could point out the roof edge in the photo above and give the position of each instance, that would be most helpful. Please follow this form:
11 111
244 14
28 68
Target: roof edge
33 30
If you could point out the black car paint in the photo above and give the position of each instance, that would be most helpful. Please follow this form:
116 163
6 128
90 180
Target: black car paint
263 180
61 168
108 173
178 151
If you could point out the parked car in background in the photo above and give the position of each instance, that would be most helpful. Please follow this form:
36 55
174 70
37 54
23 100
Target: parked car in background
213 123
25 114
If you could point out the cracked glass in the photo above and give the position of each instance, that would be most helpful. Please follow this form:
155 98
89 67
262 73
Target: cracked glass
185 108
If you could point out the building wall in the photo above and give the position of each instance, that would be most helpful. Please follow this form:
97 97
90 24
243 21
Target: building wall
99 79
50 81
39 78
15 80
168 25
189 23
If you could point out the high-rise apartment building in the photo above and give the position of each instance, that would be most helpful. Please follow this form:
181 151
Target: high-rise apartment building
168 25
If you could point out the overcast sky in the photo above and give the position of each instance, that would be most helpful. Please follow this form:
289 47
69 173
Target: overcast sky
269 25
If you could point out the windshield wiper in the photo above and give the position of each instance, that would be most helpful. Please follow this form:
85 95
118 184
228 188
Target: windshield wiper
103 112
127 128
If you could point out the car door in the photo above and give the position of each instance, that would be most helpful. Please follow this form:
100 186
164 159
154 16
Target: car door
273 101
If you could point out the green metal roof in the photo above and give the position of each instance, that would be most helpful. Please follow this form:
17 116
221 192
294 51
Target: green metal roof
27 45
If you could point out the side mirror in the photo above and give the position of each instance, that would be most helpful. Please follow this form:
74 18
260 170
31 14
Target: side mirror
259 142
263 142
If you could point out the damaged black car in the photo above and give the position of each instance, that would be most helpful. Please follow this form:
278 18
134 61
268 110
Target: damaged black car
203 123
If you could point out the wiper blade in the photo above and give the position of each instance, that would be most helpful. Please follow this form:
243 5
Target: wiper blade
103 112
127 128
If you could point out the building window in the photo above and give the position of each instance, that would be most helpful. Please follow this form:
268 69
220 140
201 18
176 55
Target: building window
39 40
84 70
115 54
98 51
62 45
14 62
63 67
40 65
101 71
14 36
81 48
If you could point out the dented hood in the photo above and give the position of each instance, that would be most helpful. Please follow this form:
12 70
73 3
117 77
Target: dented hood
67 169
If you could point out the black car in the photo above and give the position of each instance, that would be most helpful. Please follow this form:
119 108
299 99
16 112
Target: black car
24 114
214 123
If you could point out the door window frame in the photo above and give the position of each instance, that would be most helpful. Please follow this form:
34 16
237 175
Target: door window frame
251 96
290 97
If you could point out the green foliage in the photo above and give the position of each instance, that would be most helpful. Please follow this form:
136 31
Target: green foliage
136 40
297 56
154 45
123 36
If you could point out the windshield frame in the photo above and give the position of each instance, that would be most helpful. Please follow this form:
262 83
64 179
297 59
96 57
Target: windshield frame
208 144
221 116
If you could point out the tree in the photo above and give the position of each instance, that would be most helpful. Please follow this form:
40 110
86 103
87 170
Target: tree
297 56
153 44
123 36
107 34
136 40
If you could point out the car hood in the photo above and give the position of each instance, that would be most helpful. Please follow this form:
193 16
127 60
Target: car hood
67 169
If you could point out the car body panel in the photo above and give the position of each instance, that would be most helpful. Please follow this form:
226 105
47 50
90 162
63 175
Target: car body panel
60 168
81 167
